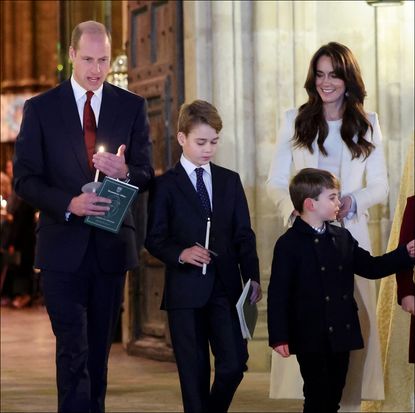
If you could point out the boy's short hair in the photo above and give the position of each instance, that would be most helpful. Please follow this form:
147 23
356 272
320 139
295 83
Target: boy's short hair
310 183
196 113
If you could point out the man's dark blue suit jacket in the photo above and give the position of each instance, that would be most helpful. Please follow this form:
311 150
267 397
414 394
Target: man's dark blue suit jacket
51 167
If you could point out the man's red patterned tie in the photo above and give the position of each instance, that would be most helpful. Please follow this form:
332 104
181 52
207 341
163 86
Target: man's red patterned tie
90 127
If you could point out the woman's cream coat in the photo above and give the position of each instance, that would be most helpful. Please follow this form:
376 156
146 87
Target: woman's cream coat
366 179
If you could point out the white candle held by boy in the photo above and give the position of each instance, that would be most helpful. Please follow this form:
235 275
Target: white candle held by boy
206 244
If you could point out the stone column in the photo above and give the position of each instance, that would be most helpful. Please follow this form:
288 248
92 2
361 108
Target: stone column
395 83
223 78
197 50
218 43
265 63
218 49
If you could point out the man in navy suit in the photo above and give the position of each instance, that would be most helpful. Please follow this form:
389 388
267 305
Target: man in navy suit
83 268
201 307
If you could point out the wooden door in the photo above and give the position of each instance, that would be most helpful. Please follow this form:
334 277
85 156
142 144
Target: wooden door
155 57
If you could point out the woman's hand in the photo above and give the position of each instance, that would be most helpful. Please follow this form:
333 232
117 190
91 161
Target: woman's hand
408 304
410 246
283 350
345 205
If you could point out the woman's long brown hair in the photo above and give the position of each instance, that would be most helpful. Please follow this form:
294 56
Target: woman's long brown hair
310 121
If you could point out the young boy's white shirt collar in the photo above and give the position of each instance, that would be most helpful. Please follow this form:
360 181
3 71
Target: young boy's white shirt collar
190 167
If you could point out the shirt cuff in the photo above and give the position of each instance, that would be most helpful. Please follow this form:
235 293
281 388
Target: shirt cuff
67 215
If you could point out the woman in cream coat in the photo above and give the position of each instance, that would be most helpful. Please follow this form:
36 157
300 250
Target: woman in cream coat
336 93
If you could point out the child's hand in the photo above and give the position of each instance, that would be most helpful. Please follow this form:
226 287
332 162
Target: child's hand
256 294
283 350
411 248
195 256
408 304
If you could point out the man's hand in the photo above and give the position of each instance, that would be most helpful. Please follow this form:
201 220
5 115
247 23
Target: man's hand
410 246
256 294
345 205
283 350
408 304
85 204
111 165
195 256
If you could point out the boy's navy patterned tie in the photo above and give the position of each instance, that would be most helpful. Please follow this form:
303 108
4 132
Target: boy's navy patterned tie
202 191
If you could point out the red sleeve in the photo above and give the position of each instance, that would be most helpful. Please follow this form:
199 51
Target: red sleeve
404 279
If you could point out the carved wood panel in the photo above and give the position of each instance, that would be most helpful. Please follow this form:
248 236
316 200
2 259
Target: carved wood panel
156 72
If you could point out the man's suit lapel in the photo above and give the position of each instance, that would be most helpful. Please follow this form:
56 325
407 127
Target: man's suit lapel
107 116
70 115
186 187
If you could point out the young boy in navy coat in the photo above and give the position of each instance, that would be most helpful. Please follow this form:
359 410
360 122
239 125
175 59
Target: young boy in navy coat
311 309
201 307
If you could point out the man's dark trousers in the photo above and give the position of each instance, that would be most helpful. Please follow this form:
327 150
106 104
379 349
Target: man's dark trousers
84 309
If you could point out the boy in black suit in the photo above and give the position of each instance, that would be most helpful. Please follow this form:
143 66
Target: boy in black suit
311 309
201 307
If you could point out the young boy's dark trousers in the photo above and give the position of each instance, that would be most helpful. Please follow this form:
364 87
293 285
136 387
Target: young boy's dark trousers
324 376
192 330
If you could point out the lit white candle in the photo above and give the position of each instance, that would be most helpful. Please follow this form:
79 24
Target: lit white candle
206 243
100 149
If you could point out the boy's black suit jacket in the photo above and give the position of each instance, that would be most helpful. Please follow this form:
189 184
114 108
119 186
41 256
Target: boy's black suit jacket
176 220
51 166
310 295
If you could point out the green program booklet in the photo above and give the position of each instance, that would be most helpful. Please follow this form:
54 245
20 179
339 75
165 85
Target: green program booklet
121 195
